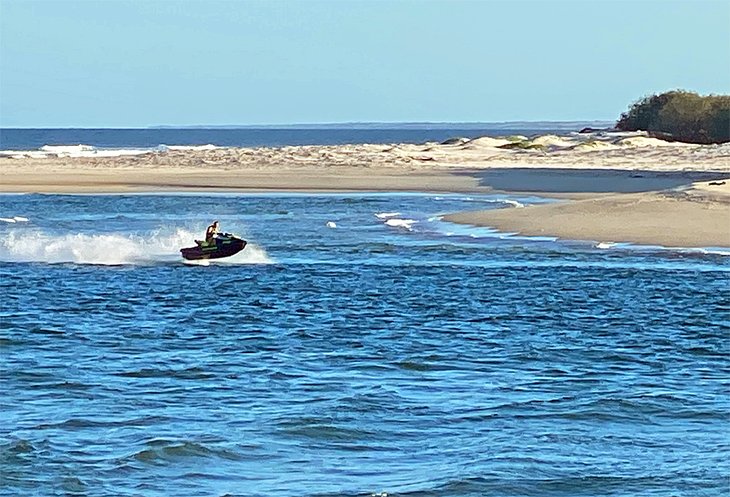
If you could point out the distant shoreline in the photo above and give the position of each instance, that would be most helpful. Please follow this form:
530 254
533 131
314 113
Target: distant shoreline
33 139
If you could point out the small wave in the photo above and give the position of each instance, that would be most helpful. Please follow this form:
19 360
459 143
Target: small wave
209 146
401 223
73 151
159 450
320 429
683 250
505 201
90 151
67 149
102 422
715 252
386 215
418 366
23 154
81 150
14 219
194 373
16 448
703 251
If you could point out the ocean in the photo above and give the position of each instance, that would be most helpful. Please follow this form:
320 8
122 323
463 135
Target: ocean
273 136
359 346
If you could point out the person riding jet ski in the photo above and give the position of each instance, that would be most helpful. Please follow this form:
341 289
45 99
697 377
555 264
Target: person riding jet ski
211 232
215 245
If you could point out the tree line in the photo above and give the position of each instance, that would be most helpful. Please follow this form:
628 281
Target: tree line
682 116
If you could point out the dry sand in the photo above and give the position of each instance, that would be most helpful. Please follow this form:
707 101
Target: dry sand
630 186
694 216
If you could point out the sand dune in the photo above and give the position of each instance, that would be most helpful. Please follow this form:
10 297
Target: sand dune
594 150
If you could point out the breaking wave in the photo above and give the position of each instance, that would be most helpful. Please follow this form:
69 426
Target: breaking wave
503 201
209 146
109 248
80 150
401 223
75 151
14 219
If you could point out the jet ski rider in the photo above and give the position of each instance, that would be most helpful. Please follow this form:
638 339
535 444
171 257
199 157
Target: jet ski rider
211 232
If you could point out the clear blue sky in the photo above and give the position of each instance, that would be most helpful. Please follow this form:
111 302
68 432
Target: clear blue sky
132 63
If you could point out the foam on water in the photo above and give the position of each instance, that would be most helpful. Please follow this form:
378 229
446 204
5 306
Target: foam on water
75 151
14 219
401 223
683 250
67 149
704 250
78 151
188 147
109 248
503 201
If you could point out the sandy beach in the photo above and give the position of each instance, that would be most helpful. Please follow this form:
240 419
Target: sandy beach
616 187
693 216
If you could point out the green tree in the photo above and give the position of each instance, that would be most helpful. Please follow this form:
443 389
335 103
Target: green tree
681 115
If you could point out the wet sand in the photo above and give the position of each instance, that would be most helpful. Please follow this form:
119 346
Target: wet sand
305 180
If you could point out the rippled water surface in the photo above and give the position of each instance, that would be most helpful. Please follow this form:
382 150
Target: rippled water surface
384 352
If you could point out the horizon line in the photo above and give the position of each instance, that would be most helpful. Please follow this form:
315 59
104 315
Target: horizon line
373 124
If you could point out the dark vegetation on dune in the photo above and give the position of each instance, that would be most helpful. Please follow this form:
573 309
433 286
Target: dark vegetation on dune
682 116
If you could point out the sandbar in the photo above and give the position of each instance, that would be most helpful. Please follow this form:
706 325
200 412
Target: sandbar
616 187
697 215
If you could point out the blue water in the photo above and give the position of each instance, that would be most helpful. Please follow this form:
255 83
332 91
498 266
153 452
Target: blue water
31 139
414 359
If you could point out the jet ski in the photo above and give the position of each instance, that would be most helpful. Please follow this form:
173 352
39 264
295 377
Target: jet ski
223 245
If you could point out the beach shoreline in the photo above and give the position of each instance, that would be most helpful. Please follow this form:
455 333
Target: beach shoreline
634 189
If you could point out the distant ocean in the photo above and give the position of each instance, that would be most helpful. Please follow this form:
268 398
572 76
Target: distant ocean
275 136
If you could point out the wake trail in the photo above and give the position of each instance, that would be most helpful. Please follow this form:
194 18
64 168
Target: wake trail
110 249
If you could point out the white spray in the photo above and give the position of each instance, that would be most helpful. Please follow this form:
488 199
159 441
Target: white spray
110 248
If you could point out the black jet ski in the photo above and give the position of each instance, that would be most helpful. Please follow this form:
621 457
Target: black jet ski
223 245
